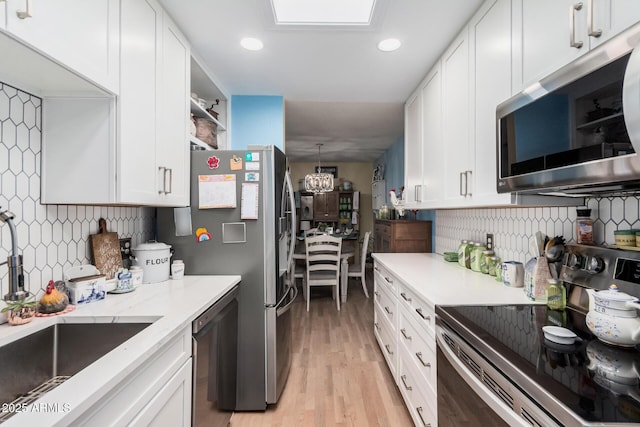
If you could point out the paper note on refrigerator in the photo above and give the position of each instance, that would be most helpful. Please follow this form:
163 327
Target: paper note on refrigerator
216 191
249 201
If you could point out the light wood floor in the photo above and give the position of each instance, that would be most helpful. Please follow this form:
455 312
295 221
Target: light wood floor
338 375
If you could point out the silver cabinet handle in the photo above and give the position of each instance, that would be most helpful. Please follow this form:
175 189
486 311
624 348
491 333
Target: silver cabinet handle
24 14
163 173
467 178
590 30
419 410
572 26
404 334
419 311
376 294
389 281
388 348
376 325
462 193
418 193
376 268
403 295
425 364
404 381
170 180
386 308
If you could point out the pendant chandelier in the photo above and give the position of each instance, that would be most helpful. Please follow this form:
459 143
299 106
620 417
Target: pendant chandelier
318 182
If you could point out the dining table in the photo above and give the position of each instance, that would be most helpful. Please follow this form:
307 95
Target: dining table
347 251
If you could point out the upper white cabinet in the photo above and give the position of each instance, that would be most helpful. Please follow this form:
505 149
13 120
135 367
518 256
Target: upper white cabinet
133 150
82 35
413 149
458 152
490 64
153 108
555 32
432 153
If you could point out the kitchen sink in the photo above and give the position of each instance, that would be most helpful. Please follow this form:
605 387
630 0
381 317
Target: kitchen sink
33 365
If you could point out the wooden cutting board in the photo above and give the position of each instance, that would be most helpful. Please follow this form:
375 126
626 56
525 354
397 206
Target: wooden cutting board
105 249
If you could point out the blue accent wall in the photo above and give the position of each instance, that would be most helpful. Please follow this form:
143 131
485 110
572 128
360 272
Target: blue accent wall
393 161
256 120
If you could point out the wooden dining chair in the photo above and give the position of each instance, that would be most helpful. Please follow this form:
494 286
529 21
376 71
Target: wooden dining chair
356 270
323 264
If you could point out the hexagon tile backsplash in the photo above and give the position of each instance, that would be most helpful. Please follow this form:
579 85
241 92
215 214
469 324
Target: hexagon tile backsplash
513 227
51 238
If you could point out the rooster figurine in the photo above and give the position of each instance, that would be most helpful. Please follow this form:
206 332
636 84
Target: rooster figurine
398 204
53 300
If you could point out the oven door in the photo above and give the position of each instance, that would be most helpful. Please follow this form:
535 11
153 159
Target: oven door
471 391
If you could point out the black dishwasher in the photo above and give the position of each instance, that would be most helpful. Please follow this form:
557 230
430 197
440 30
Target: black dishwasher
215 344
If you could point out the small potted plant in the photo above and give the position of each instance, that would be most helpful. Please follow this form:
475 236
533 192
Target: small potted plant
20 311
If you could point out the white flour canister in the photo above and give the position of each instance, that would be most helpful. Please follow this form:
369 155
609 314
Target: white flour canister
155 260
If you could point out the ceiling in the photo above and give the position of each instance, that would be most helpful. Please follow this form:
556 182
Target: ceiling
339 89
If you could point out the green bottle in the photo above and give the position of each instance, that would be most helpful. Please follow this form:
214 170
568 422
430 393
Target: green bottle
556 295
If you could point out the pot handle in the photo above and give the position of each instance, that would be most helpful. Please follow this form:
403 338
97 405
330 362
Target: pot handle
633 304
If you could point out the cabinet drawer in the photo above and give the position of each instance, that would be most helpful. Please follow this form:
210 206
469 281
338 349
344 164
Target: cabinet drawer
386 339
420 401
388 306
383 277
419 348
424 313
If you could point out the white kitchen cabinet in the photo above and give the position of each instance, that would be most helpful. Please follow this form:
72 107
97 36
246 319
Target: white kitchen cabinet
171 406
491 53
413 149
158 393
458 152
404 326
134 150
81 35
423 136
433 148
555 32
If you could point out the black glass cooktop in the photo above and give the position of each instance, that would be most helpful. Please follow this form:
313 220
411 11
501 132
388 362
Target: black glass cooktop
598 382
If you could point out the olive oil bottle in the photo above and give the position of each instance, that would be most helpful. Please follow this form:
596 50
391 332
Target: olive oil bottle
556 295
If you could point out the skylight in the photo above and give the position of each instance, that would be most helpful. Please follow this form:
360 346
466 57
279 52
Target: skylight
323 12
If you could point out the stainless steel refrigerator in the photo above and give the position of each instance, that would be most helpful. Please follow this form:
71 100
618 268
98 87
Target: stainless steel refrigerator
254 239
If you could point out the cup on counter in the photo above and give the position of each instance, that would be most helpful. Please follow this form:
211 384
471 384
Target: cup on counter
513 274
136 275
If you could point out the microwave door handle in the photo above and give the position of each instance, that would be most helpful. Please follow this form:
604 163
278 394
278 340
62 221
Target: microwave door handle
572 26
590 30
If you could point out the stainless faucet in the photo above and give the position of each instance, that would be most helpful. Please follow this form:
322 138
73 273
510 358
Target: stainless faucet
14 262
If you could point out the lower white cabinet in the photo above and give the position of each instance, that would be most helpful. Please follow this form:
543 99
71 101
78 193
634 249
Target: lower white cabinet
158 393
404 326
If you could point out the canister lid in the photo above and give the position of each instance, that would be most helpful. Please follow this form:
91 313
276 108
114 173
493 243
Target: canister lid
152 246
583 211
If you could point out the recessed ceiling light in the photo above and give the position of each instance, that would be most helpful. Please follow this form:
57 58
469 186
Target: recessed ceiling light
319 12
251 43
389 45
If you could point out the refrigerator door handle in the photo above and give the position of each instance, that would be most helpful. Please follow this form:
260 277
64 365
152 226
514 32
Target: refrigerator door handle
280 311
292 201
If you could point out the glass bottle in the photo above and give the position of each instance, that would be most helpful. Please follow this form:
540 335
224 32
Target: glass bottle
485 261
477 256
584 226
556 295
461 252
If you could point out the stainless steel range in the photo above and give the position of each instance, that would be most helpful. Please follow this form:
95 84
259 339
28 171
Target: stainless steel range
501 353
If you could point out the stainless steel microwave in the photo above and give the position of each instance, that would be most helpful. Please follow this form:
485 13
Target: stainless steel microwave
576 131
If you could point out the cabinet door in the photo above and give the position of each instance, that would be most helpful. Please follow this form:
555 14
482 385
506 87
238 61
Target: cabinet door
455 116
545 36
432 147
332 206
413 149
172 144
172 405
82 35
491 60
624 13
138 177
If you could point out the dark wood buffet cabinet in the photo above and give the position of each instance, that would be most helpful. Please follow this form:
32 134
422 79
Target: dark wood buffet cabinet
402 236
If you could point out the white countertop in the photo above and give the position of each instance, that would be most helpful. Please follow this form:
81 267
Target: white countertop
448 283
171 306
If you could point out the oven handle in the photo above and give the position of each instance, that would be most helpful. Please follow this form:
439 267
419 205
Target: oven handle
501 409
